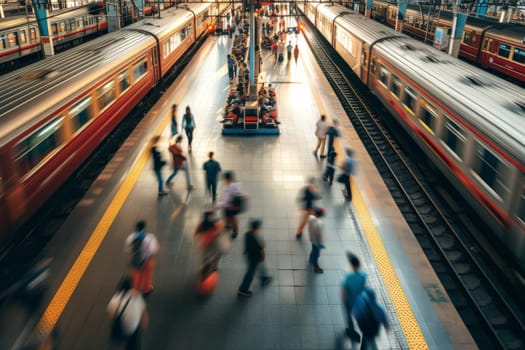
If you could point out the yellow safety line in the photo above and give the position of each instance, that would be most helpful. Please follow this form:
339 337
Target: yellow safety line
409 324
65 291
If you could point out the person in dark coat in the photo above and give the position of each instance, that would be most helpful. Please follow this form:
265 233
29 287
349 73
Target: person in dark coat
212 169
188 124
174 120
307 196
158 163
255 255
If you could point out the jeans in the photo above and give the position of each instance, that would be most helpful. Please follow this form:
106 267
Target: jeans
211 185
186 171
189 133
314 255
368 343
329 174
158 173
348 188
350 331
248 276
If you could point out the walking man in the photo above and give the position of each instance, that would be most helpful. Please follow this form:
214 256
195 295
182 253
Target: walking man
188 124
212 169
307 196
296 53
158 163
369 316
328 175
230 66
255 255
231 191
174 120
353 285
348 168
289 48
179 162
332 133
315 229
321 128
142 248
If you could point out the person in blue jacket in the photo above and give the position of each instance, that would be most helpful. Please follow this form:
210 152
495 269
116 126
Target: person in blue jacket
369 316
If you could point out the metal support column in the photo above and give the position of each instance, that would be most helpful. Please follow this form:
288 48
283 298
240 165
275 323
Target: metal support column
458 25
252 89
41 12
401 10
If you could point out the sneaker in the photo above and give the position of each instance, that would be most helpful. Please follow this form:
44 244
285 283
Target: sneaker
298 236
266 280
234 235
163 193
317 269
247 293
322 156
325 179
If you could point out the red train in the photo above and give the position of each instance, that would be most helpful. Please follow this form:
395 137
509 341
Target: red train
54 113
498 47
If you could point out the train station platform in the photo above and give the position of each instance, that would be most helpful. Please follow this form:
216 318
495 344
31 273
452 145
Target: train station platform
299 309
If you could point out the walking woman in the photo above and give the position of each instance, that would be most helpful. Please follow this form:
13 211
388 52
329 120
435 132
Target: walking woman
188 124
207 234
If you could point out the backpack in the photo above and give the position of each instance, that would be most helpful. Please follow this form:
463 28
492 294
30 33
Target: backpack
118 335
137 256
364 316
239 202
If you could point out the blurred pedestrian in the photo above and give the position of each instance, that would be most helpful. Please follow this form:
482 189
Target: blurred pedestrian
207 234
369 316
296 53
353 286
315 230
180 162
321 128
188 124
329 172
332 133
255 256
174 120
348 168
307 195
212 169
142 248
230 192
128 308
289 49
158 163
230 62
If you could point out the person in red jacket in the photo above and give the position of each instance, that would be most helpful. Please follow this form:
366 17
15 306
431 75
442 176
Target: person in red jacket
179 162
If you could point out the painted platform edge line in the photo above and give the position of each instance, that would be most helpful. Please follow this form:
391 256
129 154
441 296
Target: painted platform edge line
413 334
61 298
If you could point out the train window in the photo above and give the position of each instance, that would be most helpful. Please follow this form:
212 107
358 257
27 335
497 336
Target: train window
106 95
22 37
67 26
519 55
79 23
410 100
72 24
54 29
491 170
37 146
454 138
2 42
81 113
139 70
11 40
124 83
383 75
32 34
504 50
429 119
466 37
62 27
395 86
487 45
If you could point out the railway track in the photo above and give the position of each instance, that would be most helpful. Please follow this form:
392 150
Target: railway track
484 307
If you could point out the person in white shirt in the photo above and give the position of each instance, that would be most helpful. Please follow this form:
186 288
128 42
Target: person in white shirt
315 230
130 305
321 129
142 248
230 191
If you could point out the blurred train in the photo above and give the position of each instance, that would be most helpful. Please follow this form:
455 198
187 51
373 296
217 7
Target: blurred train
470 123
20 36
55 112
498 47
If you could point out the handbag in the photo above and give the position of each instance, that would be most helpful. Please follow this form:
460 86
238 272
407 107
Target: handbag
118 335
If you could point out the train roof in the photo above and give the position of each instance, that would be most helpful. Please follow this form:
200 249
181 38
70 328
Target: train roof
171 20
490 104
16 21
516 32
29 93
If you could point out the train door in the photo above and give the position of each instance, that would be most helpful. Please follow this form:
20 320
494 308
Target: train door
155 62
364 63
486 52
